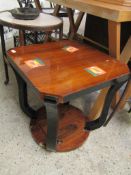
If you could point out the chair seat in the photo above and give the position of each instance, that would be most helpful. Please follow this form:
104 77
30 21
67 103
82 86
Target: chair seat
65 68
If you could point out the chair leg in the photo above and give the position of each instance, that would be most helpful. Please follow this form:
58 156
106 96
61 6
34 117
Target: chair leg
61 32
23 99
56 10
6 73
4 55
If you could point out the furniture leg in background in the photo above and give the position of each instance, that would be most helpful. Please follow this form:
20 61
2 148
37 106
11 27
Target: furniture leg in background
126 57
4 54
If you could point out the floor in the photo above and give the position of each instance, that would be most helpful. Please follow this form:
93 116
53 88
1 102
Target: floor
106 152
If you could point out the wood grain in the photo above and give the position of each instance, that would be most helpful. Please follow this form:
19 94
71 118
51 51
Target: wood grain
63 73
118 2
114 34
113 12
71 133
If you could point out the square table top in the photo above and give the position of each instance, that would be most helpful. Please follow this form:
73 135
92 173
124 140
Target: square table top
65 68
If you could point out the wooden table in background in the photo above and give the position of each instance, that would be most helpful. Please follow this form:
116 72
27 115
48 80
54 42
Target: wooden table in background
115 14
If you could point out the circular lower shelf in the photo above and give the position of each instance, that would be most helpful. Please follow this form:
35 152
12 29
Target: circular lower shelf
71 133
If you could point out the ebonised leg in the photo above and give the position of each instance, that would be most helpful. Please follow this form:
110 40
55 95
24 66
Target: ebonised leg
23 99
51 111
4 55
52 124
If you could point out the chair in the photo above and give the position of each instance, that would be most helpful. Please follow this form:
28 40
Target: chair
58 11
25 3
50 10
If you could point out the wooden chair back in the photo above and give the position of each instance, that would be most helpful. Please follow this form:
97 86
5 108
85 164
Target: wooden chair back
38 5
25 3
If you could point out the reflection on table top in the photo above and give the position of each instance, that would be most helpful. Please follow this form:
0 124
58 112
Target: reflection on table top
43 22
63 68
108 11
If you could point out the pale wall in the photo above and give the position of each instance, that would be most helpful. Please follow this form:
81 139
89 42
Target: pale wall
8 4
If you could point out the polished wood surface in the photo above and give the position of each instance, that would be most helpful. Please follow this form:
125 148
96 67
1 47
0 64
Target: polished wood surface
118 2
115 14
71 134
118 13
63 72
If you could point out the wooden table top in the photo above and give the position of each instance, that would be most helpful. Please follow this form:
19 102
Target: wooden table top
42 22
63 68
108 11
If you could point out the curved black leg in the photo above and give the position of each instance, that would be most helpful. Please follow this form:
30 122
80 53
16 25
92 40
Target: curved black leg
129 81
116 106
23 99
52 124
51 111
108 100
4 55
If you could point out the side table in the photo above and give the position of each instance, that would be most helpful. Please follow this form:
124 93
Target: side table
59 72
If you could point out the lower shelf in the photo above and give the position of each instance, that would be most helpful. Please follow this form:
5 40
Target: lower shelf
71 133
